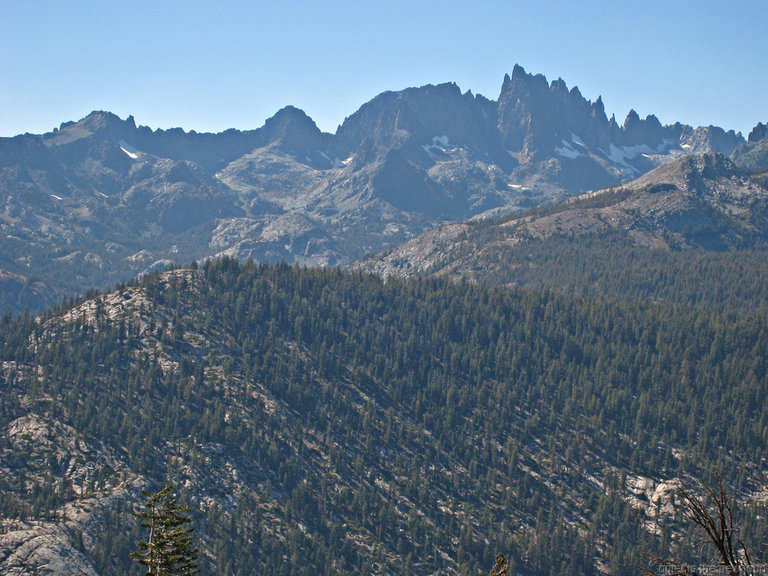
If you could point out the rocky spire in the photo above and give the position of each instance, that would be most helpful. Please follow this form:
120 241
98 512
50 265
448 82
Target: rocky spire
535 117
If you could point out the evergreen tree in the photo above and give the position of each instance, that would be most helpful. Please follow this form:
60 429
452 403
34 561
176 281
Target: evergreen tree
168 550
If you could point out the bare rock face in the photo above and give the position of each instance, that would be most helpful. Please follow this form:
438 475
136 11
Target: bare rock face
710 139
655 498
53 451
49 458
40 548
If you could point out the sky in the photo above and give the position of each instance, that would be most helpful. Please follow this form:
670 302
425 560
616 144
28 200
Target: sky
213 65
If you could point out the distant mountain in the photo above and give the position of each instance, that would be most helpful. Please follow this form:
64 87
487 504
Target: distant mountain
101 200
698 210
753 154
317 421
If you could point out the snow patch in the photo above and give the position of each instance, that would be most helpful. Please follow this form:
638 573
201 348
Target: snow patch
567 150
439 144
130 151
576 140
57 197
621 155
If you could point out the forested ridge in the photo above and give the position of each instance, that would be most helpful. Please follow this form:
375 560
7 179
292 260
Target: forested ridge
322 421
610 266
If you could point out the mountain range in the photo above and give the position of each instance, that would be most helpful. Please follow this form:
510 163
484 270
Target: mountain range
102 200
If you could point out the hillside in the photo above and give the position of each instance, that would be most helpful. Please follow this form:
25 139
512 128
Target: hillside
653 239
102 200
318 421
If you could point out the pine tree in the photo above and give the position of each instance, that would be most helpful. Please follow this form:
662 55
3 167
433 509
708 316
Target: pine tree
168 550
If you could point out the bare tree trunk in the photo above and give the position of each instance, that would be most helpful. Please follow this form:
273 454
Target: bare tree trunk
713 512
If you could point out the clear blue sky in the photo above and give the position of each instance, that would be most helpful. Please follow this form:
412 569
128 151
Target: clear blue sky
212 65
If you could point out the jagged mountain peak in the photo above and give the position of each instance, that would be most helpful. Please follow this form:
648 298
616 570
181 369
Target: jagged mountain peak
522 81
708 139
534 117
598 106
101 118
631 119
559 86
648 131
293 131
292 118
758 133
416 116
98 124
523 85
753 154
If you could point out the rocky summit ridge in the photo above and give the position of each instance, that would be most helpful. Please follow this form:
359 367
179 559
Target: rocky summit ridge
102 200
